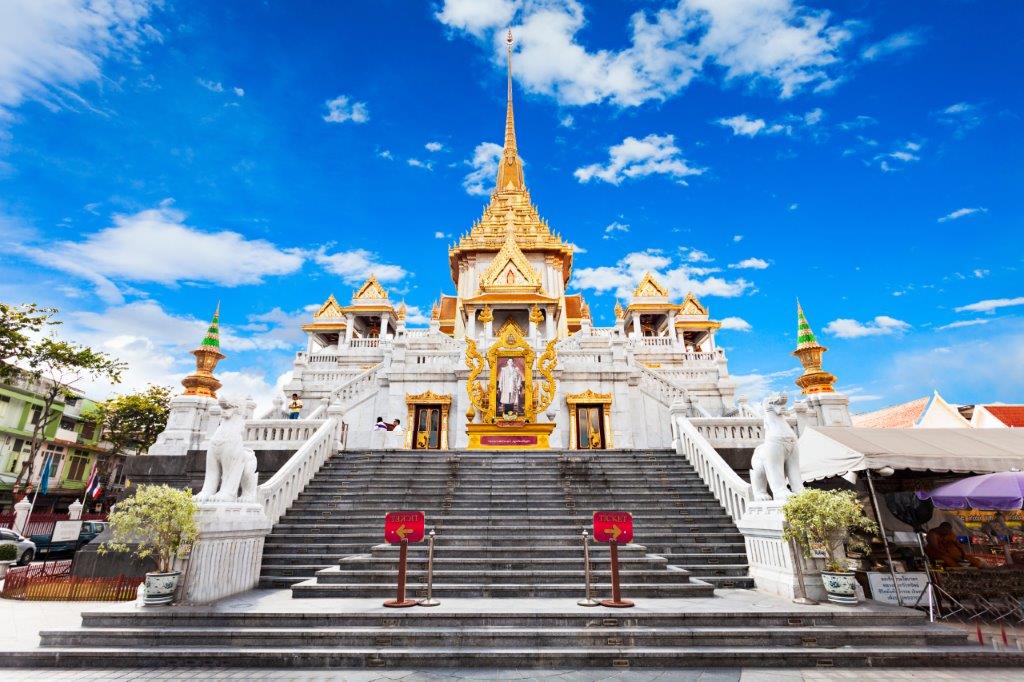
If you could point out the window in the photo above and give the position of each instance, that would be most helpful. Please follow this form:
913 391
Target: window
18 443
77 467
88 430
71 400
5 398
36 412
67 423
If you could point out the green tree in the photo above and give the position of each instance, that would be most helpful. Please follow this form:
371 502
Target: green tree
18 324
130 422
157 521
55 367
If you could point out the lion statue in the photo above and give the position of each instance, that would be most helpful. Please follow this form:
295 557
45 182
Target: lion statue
777 458
229 464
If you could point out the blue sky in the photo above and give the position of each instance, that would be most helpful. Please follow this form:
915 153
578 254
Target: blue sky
156 157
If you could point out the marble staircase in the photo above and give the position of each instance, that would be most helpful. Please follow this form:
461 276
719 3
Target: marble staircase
508 525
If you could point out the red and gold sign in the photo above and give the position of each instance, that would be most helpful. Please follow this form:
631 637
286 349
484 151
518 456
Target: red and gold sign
613 526
403 525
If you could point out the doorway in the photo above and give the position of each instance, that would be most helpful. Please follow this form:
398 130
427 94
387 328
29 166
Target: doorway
590 434
427 434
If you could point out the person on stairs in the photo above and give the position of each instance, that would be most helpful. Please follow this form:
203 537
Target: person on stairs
294 407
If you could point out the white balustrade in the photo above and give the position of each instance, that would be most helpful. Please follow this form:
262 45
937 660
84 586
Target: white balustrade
283 488
660 388
656 341
729 489
357 387
279 434
324 358
364 343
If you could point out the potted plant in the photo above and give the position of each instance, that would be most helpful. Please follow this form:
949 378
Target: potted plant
823 519
8 556
158 521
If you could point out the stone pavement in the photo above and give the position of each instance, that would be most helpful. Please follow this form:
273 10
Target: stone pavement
683 675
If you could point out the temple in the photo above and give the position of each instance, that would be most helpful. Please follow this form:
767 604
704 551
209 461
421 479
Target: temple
510 271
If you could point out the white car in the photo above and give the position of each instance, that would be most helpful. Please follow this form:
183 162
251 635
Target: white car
26 548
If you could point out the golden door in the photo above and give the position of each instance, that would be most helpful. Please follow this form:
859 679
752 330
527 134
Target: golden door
590 427
428 428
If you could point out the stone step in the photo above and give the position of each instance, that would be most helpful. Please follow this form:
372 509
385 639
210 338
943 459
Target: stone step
540 637
659 575
505 590
571 658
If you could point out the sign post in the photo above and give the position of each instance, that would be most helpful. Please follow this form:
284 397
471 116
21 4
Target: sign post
429 600
588 600
401 528
613 528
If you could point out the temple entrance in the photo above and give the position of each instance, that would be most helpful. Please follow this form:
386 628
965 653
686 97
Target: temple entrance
427 422
590 427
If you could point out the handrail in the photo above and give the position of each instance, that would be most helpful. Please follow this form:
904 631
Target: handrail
280 431
352 389
283 488
731 491
667 390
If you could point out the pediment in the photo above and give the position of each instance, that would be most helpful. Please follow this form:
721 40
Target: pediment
691 306
650 288
330 310
510 271
371 290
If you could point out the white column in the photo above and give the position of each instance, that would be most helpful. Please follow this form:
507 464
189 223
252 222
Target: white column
350 321
471 324
672 328
533 330
636 325
75 511
21 515
549 324
385 317
489 329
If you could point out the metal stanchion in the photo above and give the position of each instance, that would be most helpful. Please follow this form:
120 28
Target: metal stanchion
885 541
429 600
400 601
588 600
616 602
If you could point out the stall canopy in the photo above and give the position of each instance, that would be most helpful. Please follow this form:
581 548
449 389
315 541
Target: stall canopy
835 450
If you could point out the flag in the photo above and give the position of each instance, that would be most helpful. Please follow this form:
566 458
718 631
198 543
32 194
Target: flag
92 483
44 478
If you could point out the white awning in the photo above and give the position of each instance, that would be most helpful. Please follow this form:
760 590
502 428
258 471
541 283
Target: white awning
835 450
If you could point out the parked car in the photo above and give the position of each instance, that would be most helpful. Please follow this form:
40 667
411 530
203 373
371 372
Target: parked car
67 549
26 548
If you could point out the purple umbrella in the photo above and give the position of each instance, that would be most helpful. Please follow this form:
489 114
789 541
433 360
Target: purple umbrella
1002 491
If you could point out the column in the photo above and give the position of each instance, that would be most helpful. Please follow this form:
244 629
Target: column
75 511
636 325
350 321
385 317
489 329
549 324
471 324
672 329
533 329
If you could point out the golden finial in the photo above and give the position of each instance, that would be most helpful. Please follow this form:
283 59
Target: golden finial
207 354
401 312
535 315
619 312
510 169
584 311
486 315
435 311
809 352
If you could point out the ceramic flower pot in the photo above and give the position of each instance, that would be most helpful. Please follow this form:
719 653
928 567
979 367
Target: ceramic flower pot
4 565
841 587
160 587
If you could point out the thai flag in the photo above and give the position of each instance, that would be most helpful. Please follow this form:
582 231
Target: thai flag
93 488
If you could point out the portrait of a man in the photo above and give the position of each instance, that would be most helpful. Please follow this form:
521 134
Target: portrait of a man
511 387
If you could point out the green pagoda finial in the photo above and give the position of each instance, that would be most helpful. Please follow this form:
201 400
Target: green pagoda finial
212 339
804 335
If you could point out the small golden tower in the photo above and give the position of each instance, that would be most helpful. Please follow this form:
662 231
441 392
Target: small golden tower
809 352
202 382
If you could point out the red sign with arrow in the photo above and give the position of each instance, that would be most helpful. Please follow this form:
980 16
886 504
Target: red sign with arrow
613 526
403 525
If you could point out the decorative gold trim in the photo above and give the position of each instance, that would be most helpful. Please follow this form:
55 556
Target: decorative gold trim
698 325
535 315
427 398
371 289
331 309
510 271
588 397
401 312
650 288
486 315
691 306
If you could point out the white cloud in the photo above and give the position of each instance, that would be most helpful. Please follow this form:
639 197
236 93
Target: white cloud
961 213
416 315
965 323
814 116
441 235
695 255
612 228
356 265
747 126
386 154
633 158
990 304
155 245
904 154
750 264
755 386
737 238
239 92
566 121
416 163
485 168
212 86
778 42
735 324
743 125
433 146
962 117
340 110
576 248
680 278
882 325
981 273
48 49
793 207
897 42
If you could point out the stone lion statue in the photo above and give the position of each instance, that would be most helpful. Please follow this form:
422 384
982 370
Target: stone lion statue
777 458
229 464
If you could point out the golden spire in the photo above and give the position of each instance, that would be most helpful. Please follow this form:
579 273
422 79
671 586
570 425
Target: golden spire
510 167
809 352
202 382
